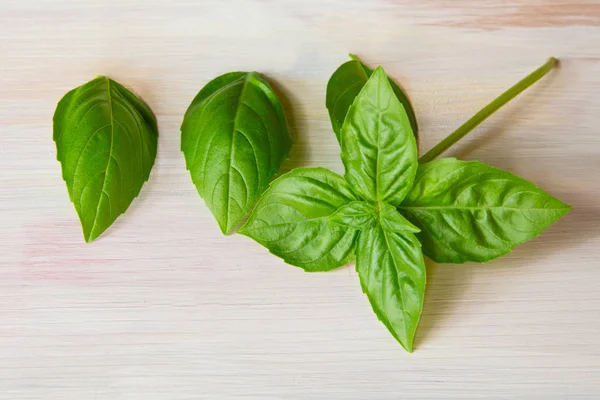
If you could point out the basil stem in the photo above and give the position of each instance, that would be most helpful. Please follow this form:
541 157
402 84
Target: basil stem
488 110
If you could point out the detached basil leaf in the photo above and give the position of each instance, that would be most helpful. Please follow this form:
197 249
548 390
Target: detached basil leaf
234 137
470 211
292 220
392 275
358 215
343 87
378 148
106 141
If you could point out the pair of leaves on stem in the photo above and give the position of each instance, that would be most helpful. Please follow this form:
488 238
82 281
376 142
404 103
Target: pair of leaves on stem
388 210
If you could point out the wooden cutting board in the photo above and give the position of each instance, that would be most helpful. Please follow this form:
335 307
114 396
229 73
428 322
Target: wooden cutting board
163 306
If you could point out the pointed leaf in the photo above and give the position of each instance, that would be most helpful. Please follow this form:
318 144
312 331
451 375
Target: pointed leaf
234 137
292 220
378 148
106 141
392 275
391 220
470 211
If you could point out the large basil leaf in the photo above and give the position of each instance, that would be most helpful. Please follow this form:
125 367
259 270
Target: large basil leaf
106 141
343 87
470 211
292 220
379 150
234 137
392 275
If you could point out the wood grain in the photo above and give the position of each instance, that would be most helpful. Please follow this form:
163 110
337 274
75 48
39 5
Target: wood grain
164 307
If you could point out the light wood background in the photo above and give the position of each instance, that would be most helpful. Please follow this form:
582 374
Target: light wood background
163 306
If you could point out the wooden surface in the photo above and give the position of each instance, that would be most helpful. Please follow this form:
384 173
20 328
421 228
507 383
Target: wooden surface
164 307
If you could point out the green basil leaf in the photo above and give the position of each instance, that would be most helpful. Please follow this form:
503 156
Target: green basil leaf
106 141
343 87
234 137
470 211
357 214
292 220
379 150
392 275
391 220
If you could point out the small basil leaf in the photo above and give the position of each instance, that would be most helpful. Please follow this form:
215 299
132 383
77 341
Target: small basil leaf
106 141
343 87
392 275
378 148
234 137
357 214
292 220
470 211
392 221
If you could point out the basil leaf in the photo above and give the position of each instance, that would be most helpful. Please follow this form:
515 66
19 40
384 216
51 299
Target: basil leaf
234 137
106 141
292 220
470 211
357 214
392 275
391 220
343 87
379 150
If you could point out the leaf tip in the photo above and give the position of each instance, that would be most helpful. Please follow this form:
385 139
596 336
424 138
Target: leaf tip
563 207
406 343
225 229
92 230
89 238
380 70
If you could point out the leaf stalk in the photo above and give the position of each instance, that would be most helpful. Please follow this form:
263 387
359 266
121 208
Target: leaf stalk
488 110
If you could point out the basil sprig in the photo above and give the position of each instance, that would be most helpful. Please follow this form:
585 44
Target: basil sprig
387 209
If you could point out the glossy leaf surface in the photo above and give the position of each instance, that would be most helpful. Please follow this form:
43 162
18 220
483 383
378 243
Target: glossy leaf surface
292 220
392 221
470 211
106 141
379 150
234 137
357 214
392 275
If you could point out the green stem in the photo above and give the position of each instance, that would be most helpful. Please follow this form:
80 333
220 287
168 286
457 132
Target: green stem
489 110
